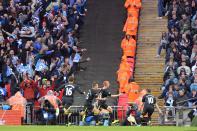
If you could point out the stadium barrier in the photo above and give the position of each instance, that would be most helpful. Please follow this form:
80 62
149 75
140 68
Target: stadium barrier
175 116
33 116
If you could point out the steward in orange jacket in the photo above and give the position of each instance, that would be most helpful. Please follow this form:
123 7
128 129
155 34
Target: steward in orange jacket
123 79
124 65
128 46
133 91
133 7
131 25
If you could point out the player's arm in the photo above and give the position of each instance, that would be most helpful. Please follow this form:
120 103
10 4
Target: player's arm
157 107
113 96
117 95
78 89
60 88
141 108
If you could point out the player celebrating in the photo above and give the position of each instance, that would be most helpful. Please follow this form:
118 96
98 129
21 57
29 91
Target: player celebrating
91 95
90 111
68 92
102 97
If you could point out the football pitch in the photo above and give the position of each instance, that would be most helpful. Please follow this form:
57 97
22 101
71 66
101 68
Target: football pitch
88 128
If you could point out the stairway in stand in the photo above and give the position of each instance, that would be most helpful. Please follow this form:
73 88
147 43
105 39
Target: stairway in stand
149 69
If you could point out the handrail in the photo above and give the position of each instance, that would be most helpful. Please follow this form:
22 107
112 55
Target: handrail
83 106
187 100
177 107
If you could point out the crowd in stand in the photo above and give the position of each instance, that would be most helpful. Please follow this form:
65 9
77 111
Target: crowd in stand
39 45
180 44
40 54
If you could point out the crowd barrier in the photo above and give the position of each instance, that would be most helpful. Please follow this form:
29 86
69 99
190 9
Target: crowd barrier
33 116
175 116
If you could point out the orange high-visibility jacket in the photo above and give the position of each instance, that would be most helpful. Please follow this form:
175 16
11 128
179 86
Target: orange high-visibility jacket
133 7
125 66
133 91
123 79
138 101
128 47
130 27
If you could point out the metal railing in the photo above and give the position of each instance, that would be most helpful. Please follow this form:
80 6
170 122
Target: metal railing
34 116
175 116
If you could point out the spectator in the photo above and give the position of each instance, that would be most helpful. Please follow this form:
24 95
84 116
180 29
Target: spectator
28 87
184 24
182 98
180 69
41 40
170 102
192 98
163 43
194 26
160 9
44 87
184 68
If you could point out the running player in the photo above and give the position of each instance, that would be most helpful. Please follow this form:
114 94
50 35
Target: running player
91 96
149 103
68 92
102 97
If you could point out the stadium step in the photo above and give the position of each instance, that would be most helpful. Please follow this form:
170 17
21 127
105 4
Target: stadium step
149 69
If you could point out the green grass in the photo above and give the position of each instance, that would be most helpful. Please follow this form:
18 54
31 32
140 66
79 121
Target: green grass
75 128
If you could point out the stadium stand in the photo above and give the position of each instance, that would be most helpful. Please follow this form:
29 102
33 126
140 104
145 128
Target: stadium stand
42 62
179 42
40 50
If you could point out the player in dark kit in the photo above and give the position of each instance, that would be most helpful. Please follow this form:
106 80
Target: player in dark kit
91 96
89 109
103 95
68 92
149 103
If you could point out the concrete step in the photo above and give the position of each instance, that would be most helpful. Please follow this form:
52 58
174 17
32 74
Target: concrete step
149 69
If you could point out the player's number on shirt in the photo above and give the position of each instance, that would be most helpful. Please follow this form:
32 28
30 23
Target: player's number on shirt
150 100
69 91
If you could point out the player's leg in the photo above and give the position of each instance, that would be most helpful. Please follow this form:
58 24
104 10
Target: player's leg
67 103
144 116
111 117
150 112
105 116
145 111
109 108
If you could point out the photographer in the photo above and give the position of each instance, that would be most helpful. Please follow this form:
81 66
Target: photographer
49 107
